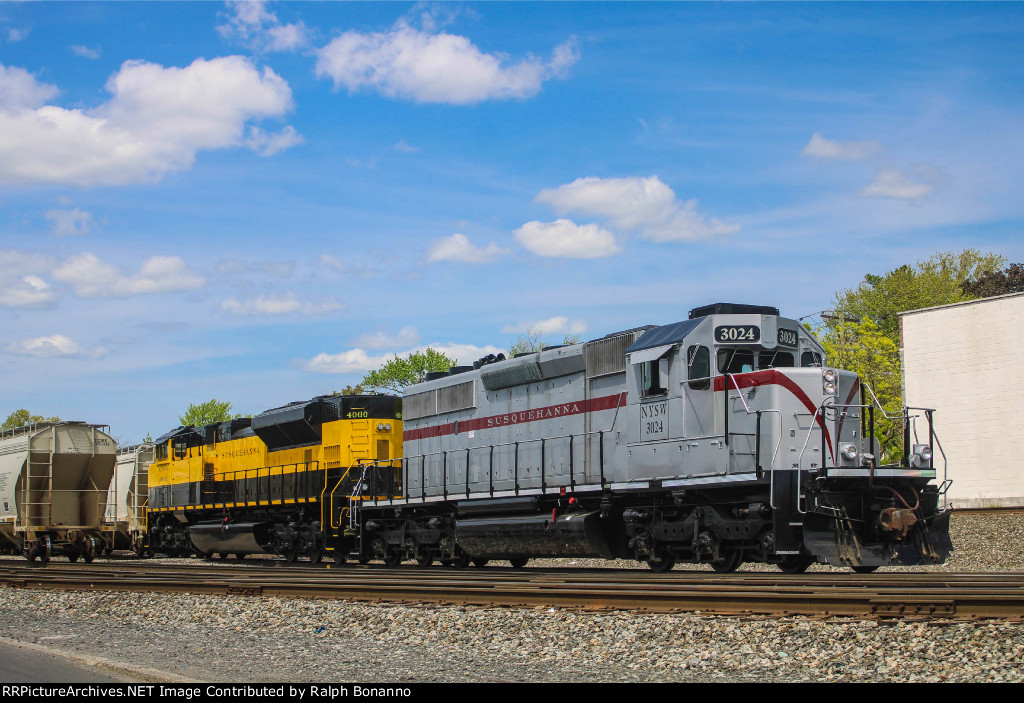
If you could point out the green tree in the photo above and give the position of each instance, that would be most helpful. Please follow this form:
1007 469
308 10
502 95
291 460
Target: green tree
400 372
357 389
531 342
20 418
990 283
936 281
207 413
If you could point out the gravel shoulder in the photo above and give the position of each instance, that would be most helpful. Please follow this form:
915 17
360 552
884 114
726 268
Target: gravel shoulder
261 639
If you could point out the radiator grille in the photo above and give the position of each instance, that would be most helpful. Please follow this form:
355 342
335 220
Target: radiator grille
457 397
419 405
512 376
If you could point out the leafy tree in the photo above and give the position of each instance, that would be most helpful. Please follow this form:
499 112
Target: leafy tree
990 283
20 418
527 343
207 413
398 373
936 281
532 342
357 389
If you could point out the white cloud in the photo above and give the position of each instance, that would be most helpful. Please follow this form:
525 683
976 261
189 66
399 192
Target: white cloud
274 304
57 345
156 122
358 361
266 144
565 238
893 184
68 223
20 286
458 248
406 336
253 26
420 65
20 90
86 52
91 278
559 324
646 205
821 148
28 292
16 35
405 148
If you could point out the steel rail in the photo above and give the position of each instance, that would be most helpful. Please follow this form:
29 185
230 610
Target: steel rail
916 595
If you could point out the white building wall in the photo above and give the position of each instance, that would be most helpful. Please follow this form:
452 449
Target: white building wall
967 361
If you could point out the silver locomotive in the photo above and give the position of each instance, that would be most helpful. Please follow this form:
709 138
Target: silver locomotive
720 439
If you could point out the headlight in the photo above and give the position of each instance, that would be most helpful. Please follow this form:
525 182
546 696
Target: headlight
849 452
828 381
380 426
922 456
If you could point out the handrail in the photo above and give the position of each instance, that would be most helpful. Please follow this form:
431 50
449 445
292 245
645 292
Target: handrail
408 460
757 452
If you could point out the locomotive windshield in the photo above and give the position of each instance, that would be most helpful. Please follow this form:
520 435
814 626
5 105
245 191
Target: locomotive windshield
732 360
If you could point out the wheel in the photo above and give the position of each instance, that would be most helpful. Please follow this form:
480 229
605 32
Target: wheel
91 548
424 559
392 557
729 563
290 555
364 558
223 556
339 556
661 561
518 562
479 562
795 565
461 561
864 569
72 555
45 547
315 555
240 556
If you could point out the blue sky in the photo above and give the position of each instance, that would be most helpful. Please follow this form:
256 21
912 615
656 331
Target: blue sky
259 202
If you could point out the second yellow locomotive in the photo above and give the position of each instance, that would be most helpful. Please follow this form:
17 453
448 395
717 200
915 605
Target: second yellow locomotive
280 482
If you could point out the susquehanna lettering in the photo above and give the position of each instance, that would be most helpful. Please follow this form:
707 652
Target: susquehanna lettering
530 415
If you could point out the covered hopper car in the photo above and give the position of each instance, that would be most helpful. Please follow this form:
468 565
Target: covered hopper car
54 480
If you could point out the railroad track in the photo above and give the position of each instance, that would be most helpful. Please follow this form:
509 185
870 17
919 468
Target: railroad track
889 595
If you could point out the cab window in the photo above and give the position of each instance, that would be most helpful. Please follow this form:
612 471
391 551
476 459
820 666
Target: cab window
698 367
810 358
654 377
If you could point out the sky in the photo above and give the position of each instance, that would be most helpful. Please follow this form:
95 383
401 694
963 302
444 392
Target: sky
260 202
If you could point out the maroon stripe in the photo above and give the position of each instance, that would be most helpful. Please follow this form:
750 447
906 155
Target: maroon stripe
549 412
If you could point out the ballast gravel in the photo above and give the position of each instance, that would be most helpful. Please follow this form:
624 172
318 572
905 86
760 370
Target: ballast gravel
261 639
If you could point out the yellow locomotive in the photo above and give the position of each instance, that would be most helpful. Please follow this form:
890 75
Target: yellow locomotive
281 482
